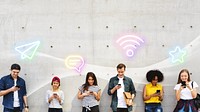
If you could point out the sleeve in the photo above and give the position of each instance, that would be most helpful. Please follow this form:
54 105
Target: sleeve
25 92
177 87
110 86
62 97
1 84
81 89
47 96
132 87
195 85
98 89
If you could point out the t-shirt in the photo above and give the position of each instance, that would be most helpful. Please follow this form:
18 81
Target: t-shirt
120 95
150 89
16 98
186 93
90 101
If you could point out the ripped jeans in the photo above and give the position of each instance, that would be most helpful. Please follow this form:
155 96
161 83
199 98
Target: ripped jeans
153 107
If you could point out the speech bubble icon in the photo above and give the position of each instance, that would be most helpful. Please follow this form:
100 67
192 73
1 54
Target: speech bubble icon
75 62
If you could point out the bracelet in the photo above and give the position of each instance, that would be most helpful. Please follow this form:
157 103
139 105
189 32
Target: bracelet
26 106
191 90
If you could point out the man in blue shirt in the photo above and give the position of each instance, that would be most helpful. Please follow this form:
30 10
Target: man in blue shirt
13 90
117 85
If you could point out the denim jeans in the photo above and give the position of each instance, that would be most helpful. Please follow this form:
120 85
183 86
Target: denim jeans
153 108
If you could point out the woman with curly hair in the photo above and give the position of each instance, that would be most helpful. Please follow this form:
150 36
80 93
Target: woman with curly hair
153 92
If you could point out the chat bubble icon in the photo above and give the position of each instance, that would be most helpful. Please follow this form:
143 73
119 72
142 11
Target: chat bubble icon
75 62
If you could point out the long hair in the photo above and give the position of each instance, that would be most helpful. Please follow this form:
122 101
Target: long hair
86 85
179 76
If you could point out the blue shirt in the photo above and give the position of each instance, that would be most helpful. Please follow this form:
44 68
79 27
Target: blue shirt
128 87
7 82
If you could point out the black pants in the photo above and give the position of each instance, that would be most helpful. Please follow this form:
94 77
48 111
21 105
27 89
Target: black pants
122 110
16 109
55 110
92 109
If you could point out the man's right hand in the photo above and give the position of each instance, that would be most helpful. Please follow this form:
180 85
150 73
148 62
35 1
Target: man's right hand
117 87
14 88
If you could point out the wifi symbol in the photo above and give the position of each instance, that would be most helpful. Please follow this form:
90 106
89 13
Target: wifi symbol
130 43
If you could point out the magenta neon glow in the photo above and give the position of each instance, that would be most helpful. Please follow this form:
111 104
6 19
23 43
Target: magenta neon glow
130 43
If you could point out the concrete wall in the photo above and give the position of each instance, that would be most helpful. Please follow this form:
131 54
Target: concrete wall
90 28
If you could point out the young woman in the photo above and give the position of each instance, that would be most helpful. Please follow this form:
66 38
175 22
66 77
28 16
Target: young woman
185 93
90 94
55 96
153 92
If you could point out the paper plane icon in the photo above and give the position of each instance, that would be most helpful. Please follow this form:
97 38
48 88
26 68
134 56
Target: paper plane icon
28 50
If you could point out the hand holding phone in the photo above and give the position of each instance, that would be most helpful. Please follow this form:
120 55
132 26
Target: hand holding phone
17 86
183 83
157 91
119 84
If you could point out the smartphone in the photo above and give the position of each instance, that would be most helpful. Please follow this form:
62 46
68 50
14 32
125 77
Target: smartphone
17 86
91 91
55 94
119 84
157 91
183 83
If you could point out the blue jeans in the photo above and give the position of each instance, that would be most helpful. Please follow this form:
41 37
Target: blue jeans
12 110
153 108
182 110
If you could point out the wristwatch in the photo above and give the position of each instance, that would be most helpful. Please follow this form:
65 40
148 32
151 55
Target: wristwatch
27 106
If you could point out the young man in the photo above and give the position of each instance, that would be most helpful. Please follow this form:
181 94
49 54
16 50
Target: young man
13 90
118 85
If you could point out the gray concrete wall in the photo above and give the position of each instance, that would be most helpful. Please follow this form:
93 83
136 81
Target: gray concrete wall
90 28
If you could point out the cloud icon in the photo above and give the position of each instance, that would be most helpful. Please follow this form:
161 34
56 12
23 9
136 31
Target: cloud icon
75 62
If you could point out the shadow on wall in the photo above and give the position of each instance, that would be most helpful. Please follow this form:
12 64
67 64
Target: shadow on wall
105 101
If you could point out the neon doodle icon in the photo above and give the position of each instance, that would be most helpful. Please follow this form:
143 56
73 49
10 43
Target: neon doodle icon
130 43
177 55
75 62
28 50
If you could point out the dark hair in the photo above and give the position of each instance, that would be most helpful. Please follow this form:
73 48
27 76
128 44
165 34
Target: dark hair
15 66
121 65
179 76
86 85
152 74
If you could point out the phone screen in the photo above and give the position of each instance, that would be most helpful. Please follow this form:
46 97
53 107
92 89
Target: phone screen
17 86
157 91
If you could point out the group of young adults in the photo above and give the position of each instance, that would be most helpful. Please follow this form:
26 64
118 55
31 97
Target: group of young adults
13 90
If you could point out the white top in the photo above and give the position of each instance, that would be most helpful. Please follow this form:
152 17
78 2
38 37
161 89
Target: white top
120 95
55 103
16 98
186 93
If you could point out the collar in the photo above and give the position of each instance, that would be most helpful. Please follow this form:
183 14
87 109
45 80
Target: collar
124 78
152 85
12 77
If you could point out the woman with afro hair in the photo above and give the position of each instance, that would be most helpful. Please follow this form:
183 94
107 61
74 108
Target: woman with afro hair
153 92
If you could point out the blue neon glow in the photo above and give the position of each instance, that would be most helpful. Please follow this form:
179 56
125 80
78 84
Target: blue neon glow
28 50
177 55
